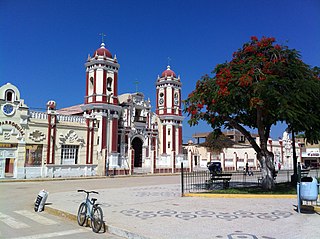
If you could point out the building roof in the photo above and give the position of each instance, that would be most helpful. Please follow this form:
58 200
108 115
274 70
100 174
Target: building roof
102 51
201 135
72 110
168 72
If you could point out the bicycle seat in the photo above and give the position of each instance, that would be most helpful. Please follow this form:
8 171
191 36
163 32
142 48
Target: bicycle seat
93 200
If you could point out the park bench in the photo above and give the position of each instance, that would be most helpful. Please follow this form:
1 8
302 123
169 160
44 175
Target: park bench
224 177
304 172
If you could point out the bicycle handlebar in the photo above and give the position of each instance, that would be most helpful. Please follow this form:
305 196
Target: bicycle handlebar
88 192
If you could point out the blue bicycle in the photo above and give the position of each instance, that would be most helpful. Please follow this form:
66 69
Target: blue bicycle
89 209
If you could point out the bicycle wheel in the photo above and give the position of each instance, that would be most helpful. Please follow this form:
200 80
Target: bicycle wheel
96 219
82 214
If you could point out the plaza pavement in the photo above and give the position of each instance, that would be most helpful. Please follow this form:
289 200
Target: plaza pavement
160 212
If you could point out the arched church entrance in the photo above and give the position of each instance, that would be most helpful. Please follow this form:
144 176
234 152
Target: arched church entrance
137 147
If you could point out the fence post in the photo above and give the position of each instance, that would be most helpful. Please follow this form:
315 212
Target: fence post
182 183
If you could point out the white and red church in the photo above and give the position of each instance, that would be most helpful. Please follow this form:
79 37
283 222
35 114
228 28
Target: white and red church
110 133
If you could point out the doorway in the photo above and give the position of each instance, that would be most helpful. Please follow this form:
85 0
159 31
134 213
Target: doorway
137 147
9 167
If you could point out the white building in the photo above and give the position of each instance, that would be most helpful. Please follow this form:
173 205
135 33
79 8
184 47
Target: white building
236 157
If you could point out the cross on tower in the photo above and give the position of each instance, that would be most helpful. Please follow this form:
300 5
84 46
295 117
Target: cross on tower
102 35
169 59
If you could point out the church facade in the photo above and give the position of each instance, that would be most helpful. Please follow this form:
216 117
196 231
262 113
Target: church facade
110 133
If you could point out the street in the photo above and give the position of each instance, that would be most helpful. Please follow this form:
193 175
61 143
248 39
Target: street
19 221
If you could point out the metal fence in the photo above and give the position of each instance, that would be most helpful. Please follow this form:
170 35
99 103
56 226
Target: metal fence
199 181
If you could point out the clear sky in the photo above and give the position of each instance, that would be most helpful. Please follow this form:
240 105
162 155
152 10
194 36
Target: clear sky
44 44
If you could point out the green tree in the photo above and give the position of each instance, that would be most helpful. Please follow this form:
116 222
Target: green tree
263 84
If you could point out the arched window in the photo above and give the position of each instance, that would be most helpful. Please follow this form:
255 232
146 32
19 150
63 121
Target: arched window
109 84
9 96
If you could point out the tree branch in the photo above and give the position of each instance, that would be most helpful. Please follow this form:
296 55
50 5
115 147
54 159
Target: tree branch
246 134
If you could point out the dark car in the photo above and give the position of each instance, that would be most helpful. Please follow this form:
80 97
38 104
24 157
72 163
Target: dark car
214 167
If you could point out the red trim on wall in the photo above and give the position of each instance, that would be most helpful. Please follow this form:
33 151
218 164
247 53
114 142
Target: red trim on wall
173 136
115 89
49 139
114 135
88 141
164 131
104 88
54 138
103 135
94 86
92 141
180 140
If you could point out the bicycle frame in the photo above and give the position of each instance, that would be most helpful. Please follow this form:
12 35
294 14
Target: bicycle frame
89 206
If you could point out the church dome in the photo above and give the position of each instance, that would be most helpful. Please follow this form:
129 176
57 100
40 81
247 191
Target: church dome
168 72
102 51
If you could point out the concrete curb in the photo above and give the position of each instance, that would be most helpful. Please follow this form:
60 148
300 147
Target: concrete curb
209 195
82 178
57 212
108 228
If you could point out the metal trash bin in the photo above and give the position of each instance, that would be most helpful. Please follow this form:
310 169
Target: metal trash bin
307 190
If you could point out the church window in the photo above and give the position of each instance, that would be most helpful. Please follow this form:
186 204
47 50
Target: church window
169 145
169 131
109 83
9 95
69 154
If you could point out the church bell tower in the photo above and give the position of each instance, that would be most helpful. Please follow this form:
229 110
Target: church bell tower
101 104
168 97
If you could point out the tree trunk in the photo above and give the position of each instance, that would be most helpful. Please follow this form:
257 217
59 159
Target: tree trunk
266 160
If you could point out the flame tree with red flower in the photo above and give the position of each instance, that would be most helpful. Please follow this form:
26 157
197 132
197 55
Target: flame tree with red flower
263 84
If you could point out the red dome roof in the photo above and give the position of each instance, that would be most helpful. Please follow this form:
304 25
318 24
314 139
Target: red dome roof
168 72
102 51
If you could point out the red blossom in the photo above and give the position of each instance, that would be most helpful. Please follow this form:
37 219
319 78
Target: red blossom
200 106
249 49
254 38
245 80
223 91
277 47
262 77
256 101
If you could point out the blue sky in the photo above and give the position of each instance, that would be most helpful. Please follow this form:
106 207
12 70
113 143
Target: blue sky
44 44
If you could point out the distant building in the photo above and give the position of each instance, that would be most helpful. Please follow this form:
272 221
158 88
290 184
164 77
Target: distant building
110 133
236 157
310 153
